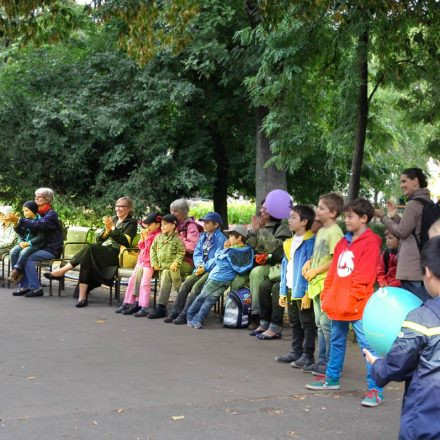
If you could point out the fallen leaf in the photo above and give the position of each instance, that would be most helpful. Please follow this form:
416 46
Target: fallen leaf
23 418
277 412
120 410
292 434
101 321
231 411
95 423
31 377
178 417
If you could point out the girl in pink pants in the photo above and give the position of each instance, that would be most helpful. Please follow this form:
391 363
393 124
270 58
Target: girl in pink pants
137 296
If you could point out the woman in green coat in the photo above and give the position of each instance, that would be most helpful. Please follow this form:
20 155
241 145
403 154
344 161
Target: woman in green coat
99 262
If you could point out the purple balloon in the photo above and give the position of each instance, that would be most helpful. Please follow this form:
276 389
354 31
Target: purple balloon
278 203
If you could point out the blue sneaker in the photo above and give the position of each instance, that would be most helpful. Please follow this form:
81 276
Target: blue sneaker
197 324
372 398
190 324
323 383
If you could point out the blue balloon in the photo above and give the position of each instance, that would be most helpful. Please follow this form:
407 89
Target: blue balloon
384 314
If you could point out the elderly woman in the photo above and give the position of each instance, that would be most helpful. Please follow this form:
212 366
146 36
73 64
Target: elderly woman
189 232
407 228
7 232
99 262
49 224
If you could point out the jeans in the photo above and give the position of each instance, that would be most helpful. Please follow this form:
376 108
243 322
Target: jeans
417 288
201 306
30 275
188 292
338 345
323 323
19 256
303 329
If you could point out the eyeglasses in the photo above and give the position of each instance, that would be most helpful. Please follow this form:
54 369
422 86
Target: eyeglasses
121 206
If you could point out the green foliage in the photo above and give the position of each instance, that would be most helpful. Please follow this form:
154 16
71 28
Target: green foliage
239 212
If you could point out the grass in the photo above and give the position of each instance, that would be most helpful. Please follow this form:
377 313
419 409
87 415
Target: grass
239 212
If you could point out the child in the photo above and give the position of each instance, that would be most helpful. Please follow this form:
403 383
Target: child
387 264
139 284
415 357
167 253
314 271
347 288
28 243
209 243
434 230
235 258
297 250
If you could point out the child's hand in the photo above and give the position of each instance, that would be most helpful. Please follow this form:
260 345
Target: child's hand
200 270
282 301
174 266
144 234
369 357
310 274
227 244
305 268
306 302
157 268
23 244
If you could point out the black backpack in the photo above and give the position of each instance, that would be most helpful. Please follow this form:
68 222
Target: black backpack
430 214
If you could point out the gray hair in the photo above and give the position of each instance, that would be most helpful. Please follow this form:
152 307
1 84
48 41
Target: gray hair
181 205
47 193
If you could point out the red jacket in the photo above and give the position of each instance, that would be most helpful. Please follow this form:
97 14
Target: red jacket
350 280
144 246
387 276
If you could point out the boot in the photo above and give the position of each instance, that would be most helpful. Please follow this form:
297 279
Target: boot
171 317
15 276
160 312
180 320
133 309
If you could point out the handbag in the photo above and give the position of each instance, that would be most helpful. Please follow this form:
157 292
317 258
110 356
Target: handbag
128 257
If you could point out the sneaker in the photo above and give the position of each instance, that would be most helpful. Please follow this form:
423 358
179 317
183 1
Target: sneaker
180 320
323 383
302 362
142 313
289 357
197 324
123 308
170 318
316 369
160 312
190 324
134 308
372 398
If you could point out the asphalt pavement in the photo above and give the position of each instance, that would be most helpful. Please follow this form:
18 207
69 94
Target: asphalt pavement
68 373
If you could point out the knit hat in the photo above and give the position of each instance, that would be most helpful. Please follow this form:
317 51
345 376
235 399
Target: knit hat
153 217
170 218
31 205
181 205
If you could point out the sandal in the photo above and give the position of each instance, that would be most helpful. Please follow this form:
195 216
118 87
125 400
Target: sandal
264 337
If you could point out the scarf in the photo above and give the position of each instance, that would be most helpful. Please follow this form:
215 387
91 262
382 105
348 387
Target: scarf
42 210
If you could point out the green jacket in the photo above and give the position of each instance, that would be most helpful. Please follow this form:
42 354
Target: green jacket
266 240
167 249
122 235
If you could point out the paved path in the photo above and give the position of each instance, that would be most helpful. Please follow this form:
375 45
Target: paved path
68 373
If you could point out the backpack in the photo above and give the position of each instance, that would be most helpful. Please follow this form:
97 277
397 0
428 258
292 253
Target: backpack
237 308
430 214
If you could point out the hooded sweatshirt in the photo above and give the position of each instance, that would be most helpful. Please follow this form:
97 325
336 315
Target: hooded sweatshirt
350 280
229 262
408 258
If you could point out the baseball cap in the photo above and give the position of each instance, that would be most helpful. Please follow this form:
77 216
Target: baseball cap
154 217
239 229
213 217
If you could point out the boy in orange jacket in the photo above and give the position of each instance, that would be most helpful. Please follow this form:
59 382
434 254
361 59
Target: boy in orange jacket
347 288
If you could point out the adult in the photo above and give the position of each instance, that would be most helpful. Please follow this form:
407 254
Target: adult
407 228
266 238
189 233
50 225
7 232
99 262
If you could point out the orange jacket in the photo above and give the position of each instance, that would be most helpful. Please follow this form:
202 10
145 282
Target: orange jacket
350 280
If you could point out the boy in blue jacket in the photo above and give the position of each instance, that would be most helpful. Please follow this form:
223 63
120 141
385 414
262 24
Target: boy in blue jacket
298 250
208 244
415 357
235 258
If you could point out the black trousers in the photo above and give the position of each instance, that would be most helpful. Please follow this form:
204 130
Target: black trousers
270 309
303 328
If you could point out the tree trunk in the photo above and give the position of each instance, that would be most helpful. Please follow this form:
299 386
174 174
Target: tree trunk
358 153
220 190
266 178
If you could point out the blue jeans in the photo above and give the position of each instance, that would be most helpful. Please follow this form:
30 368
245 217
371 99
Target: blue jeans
209 295
323 324
338 344
30 275
416 287
19 256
